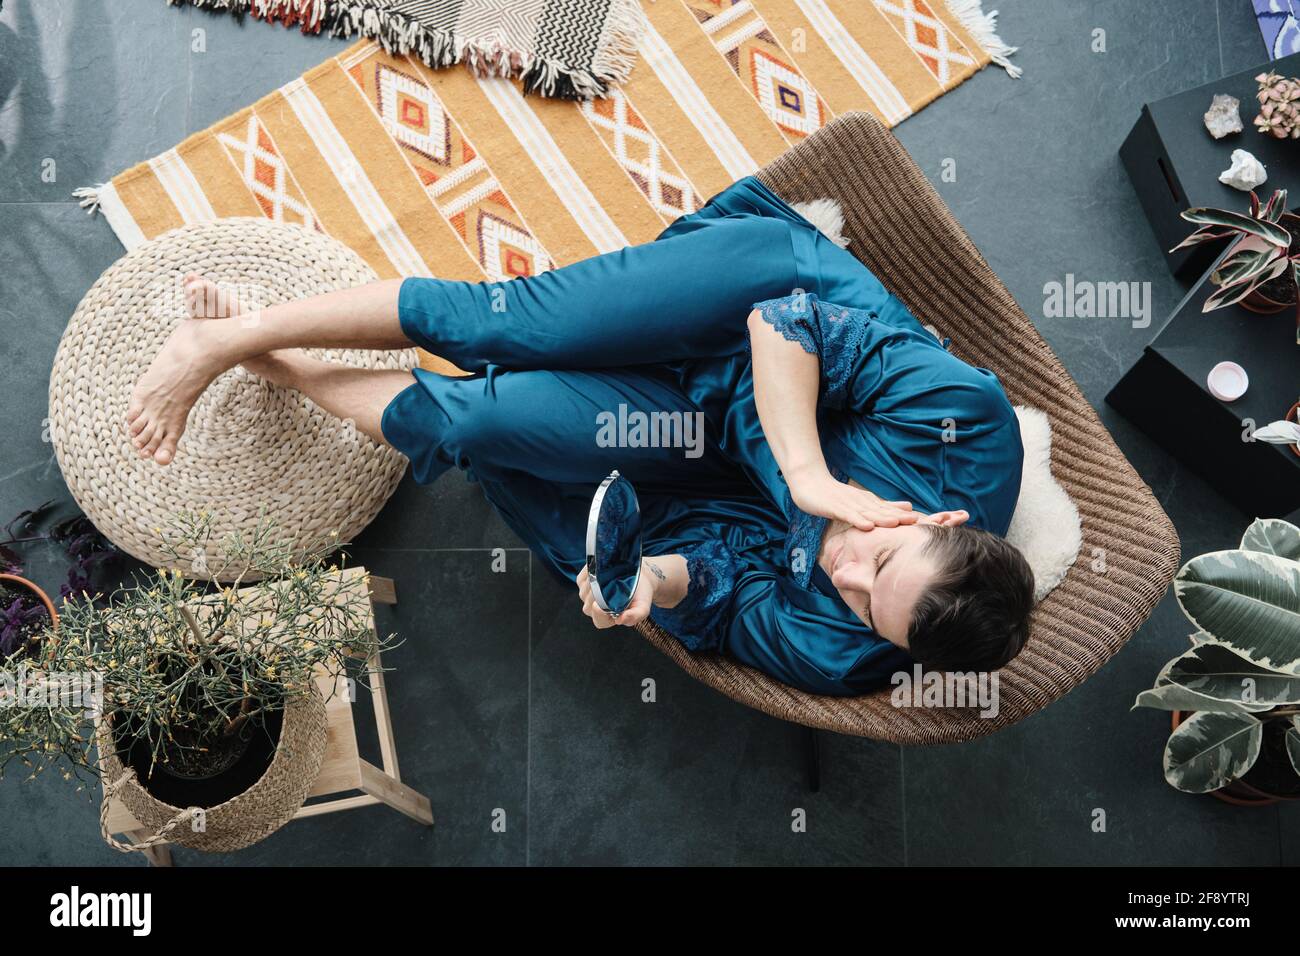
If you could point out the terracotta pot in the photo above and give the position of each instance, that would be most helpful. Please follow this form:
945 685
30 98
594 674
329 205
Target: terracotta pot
1238 793
1257 301
14 580
1261 304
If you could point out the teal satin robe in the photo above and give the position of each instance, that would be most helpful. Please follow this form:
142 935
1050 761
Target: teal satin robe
662 328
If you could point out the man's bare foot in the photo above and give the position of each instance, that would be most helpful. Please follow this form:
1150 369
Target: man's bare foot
189 360
206 300
194 354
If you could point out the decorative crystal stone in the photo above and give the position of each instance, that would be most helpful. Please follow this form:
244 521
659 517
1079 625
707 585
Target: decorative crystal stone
1245 173
1224 116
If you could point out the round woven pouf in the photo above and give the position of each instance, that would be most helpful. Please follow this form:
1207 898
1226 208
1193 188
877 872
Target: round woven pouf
251 451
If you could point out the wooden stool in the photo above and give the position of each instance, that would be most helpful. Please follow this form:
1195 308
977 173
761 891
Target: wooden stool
344 770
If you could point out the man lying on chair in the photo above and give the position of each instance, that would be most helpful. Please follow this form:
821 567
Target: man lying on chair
841 514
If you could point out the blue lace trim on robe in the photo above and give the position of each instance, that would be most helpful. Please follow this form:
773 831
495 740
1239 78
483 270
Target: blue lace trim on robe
803 540
834 333
699 620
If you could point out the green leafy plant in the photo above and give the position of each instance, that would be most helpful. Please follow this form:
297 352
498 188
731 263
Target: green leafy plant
189 666
1242 673
1261 254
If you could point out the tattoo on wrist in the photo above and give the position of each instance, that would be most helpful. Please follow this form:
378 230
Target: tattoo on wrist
654 569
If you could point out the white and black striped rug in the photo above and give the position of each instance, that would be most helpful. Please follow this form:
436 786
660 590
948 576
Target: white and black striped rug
571 49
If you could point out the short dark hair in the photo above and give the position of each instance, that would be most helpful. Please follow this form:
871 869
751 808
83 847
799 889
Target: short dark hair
975 615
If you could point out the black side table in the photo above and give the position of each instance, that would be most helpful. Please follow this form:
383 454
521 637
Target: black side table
1165 394
1174 162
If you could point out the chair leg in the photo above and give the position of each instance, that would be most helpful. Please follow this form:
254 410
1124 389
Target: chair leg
813 758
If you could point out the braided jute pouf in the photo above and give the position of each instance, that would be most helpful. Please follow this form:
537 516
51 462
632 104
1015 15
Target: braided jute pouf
251 449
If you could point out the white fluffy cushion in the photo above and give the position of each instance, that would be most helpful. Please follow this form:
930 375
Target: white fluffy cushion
827 216
1045 526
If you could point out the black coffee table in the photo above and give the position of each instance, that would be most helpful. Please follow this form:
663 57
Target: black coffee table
1165 394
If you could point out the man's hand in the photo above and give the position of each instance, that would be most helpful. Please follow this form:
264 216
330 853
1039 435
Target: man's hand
816 492
638 608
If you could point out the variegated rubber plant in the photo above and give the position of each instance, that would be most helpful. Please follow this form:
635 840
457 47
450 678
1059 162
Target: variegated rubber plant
1243 668
1261 253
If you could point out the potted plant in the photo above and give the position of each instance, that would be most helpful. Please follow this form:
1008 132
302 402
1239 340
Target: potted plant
1259 271
1235 694
1283 432
25 609
25 613
1279 105
207 717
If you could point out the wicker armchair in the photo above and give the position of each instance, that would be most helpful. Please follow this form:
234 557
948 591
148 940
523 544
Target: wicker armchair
894 220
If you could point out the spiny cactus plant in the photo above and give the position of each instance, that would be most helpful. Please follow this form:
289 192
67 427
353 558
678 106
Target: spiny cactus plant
1279 105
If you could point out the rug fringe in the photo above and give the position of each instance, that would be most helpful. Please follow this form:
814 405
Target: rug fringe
104 200
308 13
984 28
88 197
620 44
237 7
305 13
400 34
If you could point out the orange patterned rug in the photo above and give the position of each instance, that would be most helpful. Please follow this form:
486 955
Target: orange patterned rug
440 173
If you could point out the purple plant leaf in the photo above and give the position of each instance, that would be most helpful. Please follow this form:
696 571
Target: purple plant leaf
10 563
71 528
75 585
13 627
81 544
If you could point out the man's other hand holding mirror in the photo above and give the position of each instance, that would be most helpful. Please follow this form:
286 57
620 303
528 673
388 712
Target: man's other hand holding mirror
611 585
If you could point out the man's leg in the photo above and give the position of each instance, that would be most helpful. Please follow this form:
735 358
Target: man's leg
359 395
680 298
675 299
539 442
566 426
222 334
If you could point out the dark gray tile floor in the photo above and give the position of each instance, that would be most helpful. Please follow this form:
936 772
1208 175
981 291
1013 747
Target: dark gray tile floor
504 700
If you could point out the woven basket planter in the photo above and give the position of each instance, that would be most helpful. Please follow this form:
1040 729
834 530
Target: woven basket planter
242 820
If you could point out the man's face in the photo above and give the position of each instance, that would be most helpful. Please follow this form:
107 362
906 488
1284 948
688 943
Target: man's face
880 574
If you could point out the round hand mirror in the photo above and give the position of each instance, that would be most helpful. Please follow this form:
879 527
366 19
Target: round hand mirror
614 544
